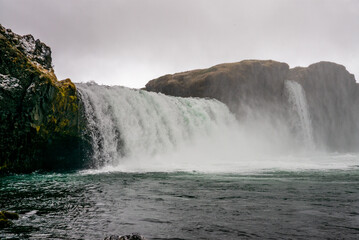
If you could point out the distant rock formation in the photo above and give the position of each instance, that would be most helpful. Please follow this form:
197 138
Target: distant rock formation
39 115
257 86
251 82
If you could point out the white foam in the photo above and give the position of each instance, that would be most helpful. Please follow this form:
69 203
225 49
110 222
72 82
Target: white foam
176 163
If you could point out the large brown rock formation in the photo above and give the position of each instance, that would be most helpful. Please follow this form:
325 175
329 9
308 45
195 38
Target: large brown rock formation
259 86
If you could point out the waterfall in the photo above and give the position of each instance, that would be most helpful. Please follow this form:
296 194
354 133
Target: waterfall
298 102
129 123
136 130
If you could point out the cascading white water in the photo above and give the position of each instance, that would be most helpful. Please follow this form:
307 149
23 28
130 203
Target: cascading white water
128 123
136 130
298 101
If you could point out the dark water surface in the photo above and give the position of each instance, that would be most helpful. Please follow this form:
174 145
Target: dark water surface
277 205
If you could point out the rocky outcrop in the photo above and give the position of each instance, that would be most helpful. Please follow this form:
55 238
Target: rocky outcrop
39 115
258 87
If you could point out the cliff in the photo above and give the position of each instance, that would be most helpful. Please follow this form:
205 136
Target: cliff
236 84
39 115
332 93
256 87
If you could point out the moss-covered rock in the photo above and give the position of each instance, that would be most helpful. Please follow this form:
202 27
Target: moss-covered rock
39 115
5 218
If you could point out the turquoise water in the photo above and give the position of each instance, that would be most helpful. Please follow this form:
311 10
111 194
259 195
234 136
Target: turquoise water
179 205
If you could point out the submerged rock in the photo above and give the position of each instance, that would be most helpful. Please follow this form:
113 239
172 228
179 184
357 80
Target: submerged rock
5 218
133 236
40 126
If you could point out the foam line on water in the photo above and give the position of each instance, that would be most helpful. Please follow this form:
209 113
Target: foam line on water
320 162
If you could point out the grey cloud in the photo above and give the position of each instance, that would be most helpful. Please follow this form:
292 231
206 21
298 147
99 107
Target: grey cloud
130 42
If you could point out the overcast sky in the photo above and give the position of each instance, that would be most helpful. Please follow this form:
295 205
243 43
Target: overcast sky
129 42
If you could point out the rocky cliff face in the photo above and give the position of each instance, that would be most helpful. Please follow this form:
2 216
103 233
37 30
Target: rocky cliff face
257 87
331 94
39 115
250 83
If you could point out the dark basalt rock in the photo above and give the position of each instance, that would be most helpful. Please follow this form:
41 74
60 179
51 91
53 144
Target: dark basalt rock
35 50
133 236
40 121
